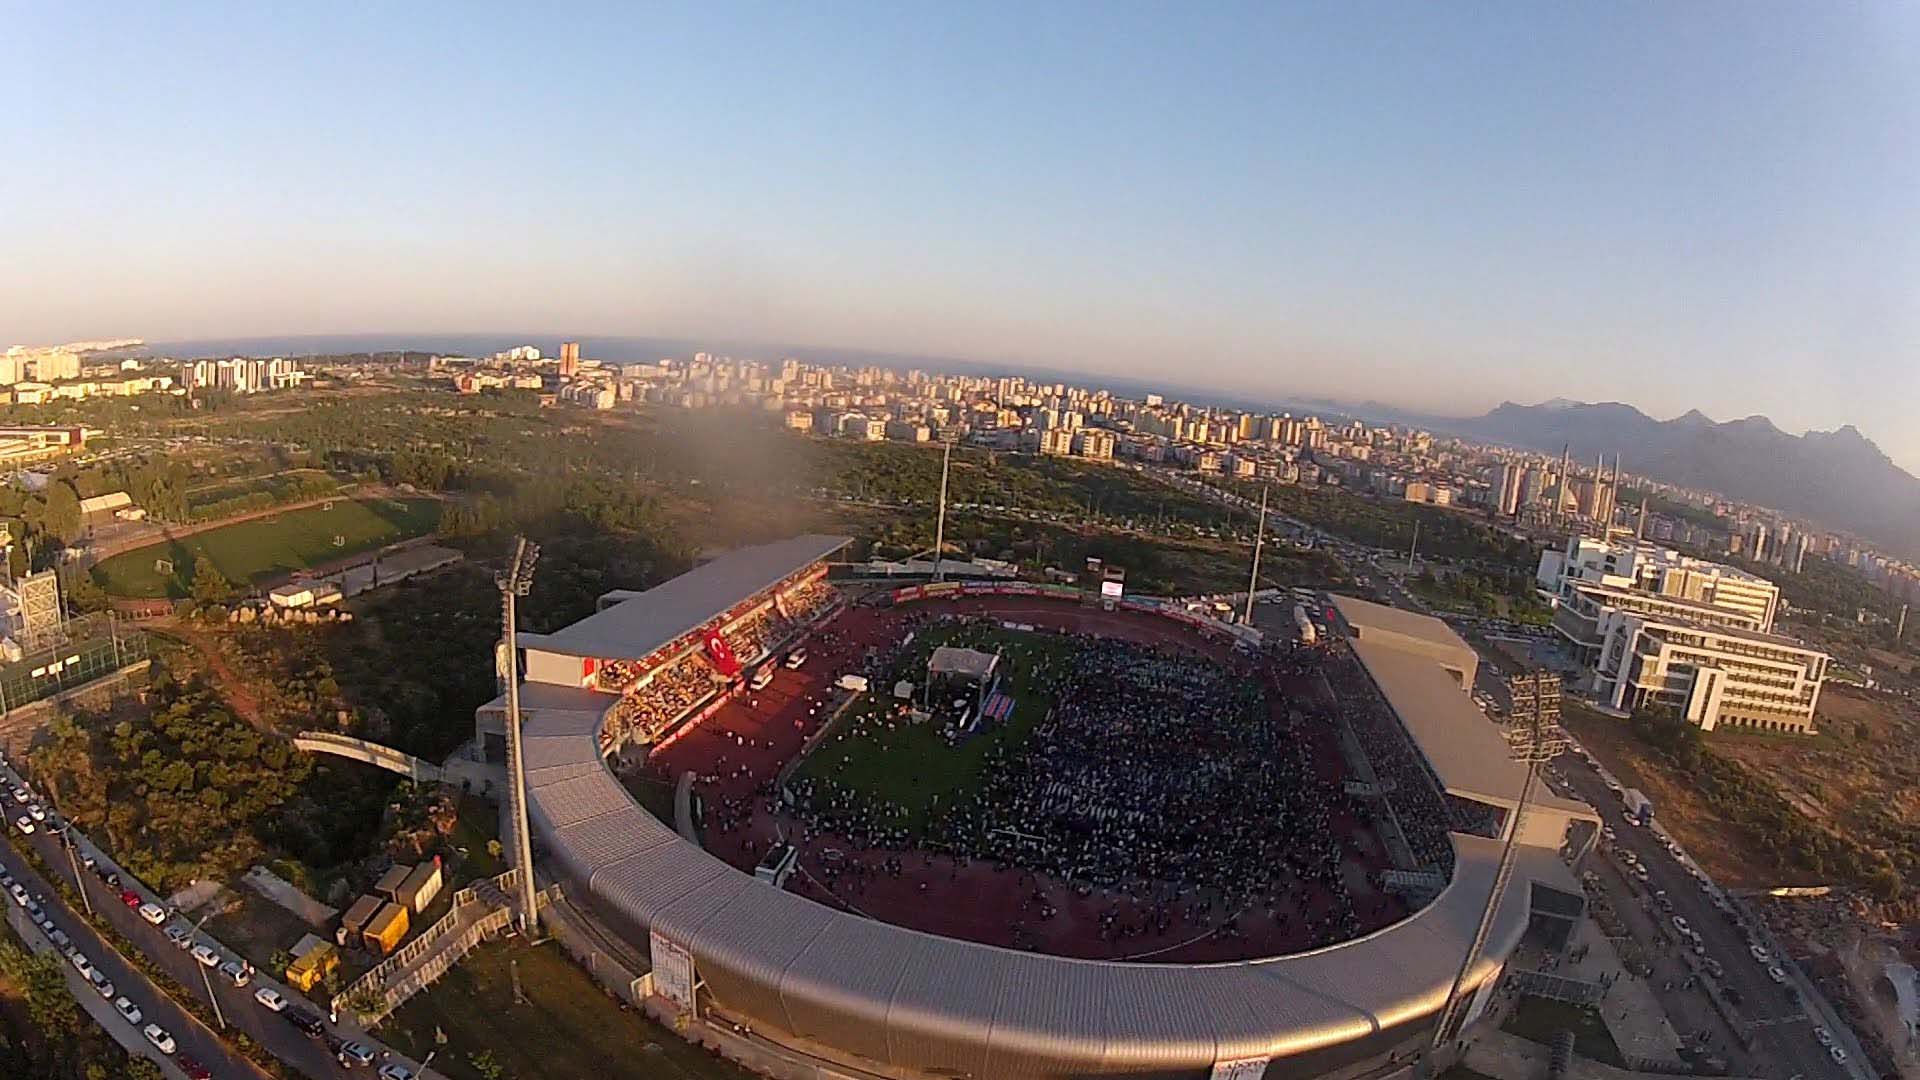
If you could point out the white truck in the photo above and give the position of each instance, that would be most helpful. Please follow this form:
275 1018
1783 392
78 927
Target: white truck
1639 808
1305 622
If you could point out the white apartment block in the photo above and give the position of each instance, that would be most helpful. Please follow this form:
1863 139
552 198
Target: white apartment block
1658 628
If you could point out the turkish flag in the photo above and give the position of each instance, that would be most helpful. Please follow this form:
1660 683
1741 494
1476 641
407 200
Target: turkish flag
721 654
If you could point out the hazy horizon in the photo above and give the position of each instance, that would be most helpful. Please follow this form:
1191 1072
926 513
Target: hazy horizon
1712 206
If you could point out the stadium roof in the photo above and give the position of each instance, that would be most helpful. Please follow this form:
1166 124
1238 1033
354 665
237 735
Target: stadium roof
971 663
915 1001
634 628
1465 748
1410 630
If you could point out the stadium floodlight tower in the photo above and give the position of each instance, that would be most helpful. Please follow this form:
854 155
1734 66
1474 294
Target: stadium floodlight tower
516 581
940 522
1259 537
1534 741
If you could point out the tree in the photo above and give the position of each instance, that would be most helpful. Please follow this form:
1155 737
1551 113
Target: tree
210 586
486 1065
139 1068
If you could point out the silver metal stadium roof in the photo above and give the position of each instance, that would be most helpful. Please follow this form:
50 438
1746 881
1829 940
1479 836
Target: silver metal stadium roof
634 628
914 1002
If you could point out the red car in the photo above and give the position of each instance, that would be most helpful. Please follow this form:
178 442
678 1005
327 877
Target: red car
193 1069
130 898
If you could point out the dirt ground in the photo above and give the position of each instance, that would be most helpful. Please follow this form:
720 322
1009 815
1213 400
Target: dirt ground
1726 851
1863 764
1860 775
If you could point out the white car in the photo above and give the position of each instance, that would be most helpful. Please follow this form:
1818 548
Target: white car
1680 924
36 812
206 955
158 1036
24 823
101 985
1776 974
1823 1036
237 973
1759 954
153 913
1838 1055
272 999
81 964
18 892
127 1010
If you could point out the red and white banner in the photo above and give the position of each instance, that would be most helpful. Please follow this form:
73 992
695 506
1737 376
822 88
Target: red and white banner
721 654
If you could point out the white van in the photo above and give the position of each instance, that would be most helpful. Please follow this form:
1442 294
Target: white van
762 678
855 683
796 658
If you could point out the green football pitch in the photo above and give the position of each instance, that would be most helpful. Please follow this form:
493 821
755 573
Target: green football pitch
910 765
248 552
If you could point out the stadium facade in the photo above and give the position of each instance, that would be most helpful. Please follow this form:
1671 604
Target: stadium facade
855 997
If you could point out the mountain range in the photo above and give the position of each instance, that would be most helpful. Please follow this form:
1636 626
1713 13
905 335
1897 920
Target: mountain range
1838 479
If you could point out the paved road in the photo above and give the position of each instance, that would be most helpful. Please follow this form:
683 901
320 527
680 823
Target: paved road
192 1038
308 1055
1785 1045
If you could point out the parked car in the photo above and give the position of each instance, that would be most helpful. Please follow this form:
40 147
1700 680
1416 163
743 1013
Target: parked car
1823 1036
158 1036
193 1068
181 936
1838 1055
130 898
1776 974
24 824
272 999
1680 924
305 1020
1759 954
153 913
393 1070
127 1010
357 1053
206 955
236 972
100 984
36 811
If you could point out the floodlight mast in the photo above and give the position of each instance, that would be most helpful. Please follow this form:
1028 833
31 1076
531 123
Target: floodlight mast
515 582
940 522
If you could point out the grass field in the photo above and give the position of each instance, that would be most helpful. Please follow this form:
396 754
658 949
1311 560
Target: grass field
910 765
279 485
249 552
582 1033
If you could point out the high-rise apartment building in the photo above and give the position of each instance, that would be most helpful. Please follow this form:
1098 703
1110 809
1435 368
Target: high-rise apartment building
569 359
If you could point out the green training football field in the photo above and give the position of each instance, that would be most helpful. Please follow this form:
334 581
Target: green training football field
911 765
251 551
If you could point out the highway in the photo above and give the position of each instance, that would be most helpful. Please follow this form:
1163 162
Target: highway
157 1007
1784 1043
310 1056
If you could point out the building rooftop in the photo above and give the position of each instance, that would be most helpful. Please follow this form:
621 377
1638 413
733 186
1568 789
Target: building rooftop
1466 749
632 629
1410 630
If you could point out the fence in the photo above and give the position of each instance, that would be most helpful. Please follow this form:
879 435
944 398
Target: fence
479 912
96 646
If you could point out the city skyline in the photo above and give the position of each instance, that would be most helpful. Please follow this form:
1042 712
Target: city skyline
1704 208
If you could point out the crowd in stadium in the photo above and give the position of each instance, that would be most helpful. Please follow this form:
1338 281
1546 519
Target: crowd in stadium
1419 810
676 688
1158 775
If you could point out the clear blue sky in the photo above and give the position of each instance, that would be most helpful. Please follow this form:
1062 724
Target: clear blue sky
1436 205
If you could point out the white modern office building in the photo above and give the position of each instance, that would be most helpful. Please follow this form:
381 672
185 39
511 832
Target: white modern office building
1654 627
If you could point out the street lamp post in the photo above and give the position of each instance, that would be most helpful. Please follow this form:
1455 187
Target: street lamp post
514 583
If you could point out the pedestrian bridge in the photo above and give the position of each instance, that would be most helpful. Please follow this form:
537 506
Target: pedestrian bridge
385 757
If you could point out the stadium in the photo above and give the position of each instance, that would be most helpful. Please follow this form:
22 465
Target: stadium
1316 930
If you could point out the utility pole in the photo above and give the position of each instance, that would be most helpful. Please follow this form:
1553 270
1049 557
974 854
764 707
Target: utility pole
1413 550
1259 536
940 522
514 583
